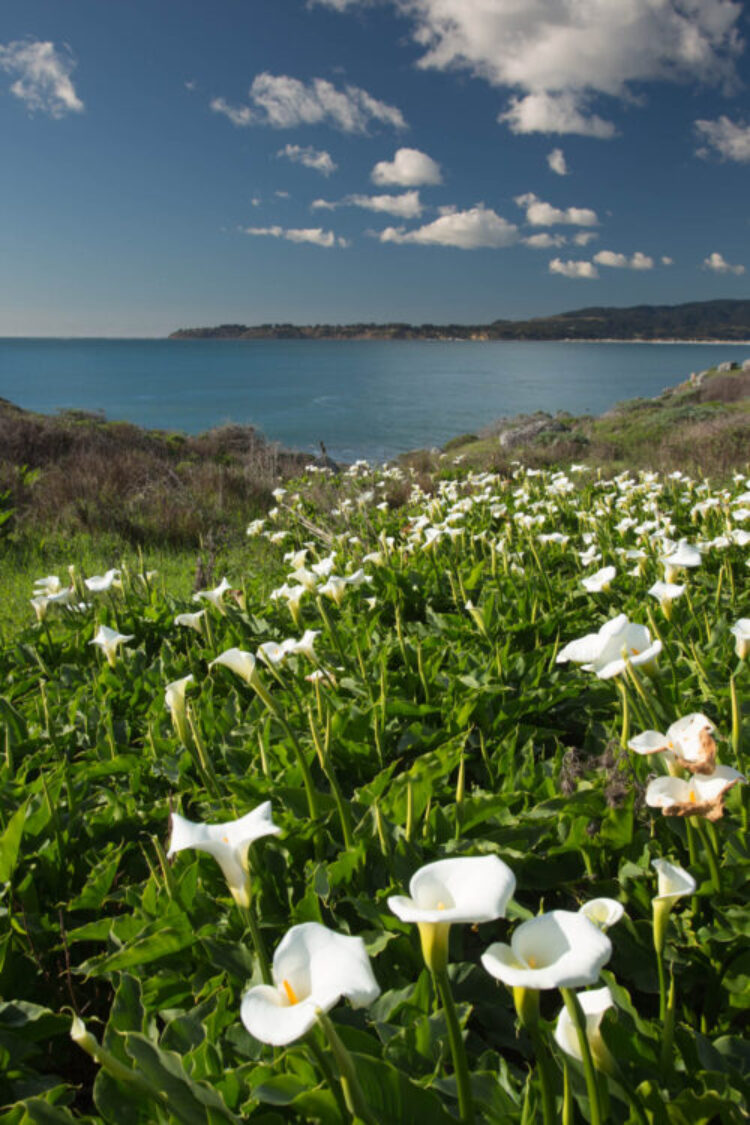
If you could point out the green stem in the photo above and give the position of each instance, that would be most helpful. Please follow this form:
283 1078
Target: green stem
353 1095
460 1064
668 1035
713 865
546 1078
662 986
567 1109
579 1022
250 920
328 1074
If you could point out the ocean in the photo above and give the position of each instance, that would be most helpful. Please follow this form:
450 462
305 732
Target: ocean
369 399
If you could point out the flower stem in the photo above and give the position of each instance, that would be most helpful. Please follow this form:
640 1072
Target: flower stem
250 921
713 865
353 1096
327 1071
460 1064
579 1022
546 1079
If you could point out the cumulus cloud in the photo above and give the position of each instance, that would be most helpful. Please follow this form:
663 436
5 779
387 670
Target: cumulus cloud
475 229
315 235
638 261
728 139
554 113
556 161
545 241
405 206
718 264
583 237
541 214
586 271
42 73
284 103
309 157
667 261
409 168
560 54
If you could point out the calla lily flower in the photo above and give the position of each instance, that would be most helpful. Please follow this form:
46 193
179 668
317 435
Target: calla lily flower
109 641
334 588
305 646
215 596
673 883
702 795
619 642
689 742
242 663
599 582
603 912
594 1003
666 593
50 584
274 654
684 556
228 843
174 697
191 620
100 583
313 968
741 633
468 889
561 949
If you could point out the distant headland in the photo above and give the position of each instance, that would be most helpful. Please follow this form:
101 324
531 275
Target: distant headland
714 321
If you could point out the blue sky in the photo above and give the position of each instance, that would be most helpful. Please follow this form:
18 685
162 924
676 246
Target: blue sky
176 163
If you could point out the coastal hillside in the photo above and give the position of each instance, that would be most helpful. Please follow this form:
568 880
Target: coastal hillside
696 320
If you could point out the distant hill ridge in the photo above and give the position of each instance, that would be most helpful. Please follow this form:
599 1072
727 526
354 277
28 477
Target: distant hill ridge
696 320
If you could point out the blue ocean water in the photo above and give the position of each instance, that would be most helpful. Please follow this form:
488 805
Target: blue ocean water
371 399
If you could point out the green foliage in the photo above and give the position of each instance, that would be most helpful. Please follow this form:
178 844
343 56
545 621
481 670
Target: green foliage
434 732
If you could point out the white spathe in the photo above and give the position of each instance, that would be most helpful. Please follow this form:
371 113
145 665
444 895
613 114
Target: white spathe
242 663
561 949
741 634
228 843
109 641
594 1003
673 881
607 652
603 912
313 968
463 889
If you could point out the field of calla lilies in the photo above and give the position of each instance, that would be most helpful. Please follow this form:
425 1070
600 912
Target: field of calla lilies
447 825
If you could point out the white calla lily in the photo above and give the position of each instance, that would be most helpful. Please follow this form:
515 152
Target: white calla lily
191 620
687 741
600 581
100 583
673 881
313 968
465 889
242 663
174 697
215 596
594 1004
561 949
228 843
109 641
603 912
741 634
608 652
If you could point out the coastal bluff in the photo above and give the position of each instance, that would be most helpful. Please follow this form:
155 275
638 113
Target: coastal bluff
721 321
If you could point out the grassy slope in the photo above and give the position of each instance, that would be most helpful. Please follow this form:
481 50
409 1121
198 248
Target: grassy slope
105 491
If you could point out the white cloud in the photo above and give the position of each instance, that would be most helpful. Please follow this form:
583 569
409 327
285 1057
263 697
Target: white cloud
409 168
556 161
282 194
477 228
667 261
638 261
317 159
43 76
406 206
579 270
568 51
316 235
584 237
545 241
726 138
717 263
284 102
541 214
554 113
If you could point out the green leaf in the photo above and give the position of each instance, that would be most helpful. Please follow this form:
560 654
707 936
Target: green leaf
10 843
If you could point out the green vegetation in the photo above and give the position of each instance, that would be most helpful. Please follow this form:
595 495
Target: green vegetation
402 681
